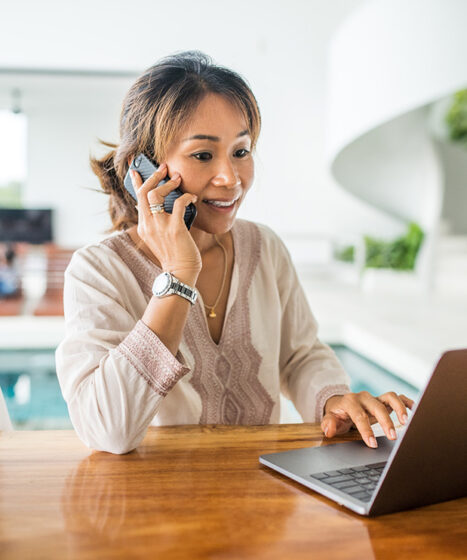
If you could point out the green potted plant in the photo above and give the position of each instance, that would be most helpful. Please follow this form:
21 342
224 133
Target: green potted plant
456 118
389 265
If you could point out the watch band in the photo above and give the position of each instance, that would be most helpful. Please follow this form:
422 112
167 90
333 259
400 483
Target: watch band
183 290
167 284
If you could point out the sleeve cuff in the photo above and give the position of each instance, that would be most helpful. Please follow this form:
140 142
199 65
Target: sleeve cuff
326 393
152 359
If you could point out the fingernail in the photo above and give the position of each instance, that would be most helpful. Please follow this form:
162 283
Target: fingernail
404 418
373 442
162 166
175 176
195 198
392 433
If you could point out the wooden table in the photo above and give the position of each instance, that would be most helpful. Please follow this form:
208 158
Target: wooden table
195 492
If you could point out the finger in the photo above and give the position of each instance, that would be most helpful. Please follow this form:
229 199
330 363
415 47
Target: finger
376 408
156 195
142 189
352 407
329 425
136 179
180 204
395 403
362 423
408 402
332 424
154 179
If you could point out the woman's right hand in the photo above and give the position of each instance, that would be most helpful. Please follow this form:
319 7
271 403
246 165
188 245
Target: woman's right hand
166 235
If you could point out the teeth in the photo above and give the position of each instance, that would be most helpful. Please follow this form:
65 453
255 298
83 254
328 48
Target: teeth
219 203
222 204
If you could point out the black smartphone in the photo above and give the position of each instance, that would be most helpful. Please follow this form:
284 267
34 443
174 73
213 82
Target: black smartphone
145 167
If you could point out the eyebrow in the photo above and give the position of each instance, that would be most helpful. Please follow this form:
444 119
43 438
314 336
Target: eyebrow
212 138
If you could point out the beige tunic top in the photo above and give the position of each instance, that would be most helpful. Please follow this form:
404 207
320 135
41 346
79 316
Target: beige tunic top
118 377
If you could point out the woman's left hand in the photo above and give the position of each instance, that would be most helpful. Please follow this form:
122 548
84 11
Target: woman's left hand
360 410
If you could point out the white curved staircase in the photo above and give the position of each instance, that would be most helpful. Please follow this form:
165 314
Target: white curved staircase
388 62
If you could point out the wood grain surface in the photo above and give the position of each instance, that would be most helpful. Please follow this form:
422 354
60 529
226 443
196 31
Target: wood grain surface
195 492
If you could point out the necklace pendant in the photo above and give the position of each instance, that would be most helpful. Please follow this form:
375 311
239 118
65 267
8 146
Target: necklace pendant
212 314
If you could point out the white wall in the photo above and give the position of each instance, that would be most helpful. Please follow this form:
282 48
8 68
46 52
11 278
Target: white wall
279 46
454 157
65 118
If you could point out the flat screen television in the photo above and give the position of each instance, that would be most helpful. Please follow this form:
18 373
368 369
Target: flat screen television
25 224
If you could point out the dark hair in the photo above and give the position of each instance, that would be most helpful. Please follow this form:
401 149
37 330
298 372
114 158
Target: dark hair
158 104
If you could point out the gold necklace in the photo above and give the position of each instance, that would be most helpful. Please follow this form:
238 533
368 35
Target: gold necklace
212 313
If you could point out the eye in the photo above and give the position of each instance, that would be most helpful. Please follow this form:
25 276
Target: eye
241 153
202 156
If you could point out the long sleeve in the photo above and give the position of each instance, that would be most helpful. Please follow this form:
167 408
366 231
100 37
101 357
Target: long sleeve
5 422
113 370
310 372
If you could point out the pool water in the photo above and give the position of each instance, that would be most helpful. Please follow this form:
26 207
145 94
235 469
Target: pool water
32 394
367 376
34 400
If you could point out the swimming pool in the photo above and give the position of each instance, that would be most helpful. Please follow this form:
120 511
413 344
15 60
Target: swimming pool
368 376
29 384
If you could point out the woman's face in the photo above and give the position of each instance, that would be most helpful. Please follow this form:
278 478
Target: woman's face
213 156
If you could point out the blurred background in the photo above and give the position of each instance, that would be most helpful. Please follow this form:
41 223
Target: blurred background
361 166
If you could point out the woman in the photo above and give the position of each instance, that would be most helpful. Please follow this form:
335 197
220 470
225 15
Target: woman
134 356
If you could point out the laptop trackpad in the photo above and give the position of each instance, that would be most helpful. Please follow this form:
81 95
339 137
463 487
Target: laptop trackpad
352 453
331 457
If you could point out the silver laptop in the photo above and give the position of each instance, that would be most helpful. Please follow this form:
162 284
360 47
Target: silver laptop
426 464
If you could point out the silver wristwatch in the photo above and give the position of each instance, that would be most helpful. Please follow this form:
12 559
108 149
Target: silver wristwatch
166 284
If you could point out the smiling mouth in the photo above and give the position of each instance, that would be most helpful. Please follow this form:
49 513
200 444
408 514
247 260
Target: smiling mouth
221 203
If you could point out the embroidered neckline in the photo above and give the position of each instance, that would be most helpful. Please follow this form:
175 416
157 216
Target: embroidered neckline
140 270
227 381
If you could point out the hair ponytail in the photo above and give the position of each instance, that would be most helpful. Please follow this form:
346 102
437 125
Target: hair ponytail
121 204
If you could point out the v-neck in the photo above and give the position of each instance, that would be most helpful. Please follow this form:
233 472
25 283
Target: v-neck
230 298
199 305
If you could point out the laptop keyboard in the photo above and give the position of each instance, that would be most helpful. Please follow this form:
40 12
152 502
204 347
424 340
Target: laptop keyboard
358 482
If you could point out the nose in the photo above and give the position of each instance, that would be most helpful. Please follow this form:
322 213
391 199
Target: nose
226 174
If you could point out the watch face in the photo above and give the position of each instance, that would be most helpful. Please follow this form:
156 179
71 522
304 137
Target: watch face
161 284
